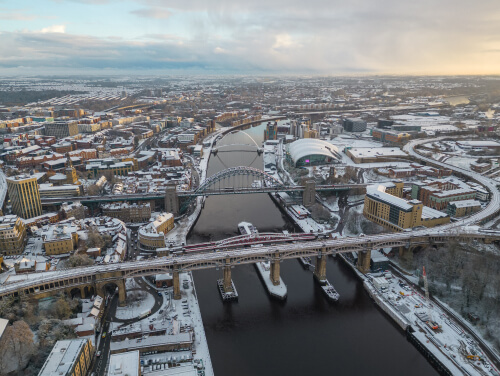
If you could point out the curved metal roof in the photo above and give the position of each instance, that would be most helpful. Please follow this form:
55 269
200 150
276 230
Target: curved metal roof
310 146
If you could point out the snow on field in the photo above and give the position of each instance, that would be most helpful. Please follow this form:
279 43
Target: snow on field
355 198
332 203
460 162
136 308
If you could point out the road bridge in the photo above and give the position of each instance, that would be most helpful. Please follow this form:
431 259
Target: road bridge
234 180
98 277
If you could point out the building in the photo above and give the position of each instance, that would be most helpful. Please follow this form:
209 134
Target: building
438 193
354 125
12 235
371 155
390 137
66 190
24 196
60 238
126 363
69 358
398 214
89 128
152 235
463 208
271 131
312 152
96 167
490 145
128 212
61 129
480 167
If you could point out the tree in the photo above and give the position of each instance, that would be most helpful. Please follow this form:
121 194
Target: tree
136 141
93 190
79 260
16 347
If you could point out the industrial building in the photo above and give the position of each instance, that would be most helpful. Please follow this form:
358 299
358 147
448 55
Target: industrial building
371 155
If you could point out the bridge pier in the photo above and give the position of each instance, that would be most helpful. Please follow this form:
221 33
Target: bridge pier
406 254
364 258
309 195
122 293
177 286
227 277
320 268
274 275
171 200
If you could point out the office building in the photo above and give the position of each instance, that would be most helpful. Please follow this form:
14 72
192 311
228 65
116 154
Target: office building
354 125
396 213
61 129
271 131
152 235
69 358
463 208
24 196
438 193
60 238
12 235
127 212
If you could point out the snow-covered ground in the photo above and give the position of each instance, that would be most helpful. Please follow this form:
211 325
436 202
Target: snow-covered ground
135 308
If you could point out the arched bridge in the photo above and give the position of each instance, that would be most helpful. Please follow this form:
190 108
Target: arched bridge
47 283
253 145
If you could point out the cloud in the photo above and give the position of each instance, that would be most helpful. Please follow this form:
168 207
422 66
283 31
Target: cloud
54 29
279 36
156 13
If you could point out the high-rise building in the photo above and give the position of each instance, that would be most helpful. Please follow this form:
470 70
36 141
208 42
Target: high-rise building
24 196
271 131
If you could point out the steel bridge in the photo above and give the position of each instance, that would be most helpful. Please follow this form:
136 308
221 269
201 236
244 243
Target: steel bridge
234 180
47 283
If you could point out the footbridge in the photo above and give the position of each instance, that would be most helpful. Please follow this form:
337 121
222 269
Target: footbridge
254 146
97 277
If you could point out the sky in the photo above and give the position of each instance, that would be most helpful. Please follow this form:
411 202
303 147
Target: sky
264 37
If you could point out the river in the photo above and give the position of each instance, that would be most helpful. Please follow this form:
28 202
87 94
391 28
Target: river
306 334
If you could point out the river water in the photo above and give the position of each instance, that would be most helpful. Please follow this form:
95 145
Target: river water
306 334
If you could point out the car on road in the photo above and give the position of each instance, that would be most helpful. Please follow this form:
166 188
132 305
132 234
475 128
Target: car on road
98 353
103 335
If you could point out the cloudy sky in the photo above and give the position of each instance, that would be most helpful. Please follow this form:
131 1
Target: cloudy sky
250 36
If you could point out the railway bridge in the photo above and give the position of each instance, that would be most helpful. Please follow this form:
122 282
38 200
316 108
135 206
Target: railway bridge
96 278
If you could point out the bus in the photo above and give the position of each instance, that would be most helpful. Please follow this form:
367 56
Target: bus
144 314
